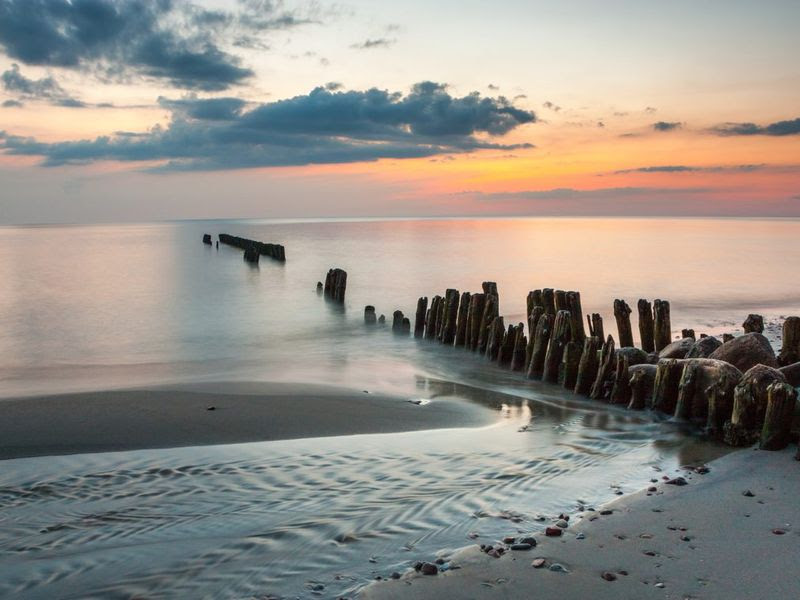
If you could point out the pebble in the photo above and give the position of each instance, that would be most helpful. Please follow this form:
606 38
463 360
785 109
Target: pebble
531 541
538 563
606 512
580 536
779 531
440 561
509 540
748 493
211 408
660 585
562 523
395 575
677 481
646 536
685 538
557 568
609 576
553 531
429 569
652 488
521 546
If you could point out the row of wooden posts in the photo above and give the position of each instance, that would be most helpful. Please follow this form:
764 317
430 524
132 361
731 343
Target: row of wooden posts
691 379
252 249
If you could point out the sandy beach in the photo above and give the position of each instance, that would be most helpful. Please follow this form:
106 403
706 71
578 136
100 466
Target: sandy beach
731 533
166 417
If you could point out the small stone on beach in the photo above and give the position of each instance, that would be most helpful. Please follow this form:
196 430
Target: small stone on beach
211 408
748 493
557 568
538 563
429 569
609 576
553 531
677 481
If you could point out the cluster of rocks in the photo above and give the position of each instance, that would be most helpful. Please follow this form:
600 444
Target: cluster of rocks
252 249
736 388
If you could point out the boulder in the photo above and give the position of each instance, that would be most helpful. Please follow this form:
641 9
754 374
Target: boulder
746 351
635 356
704 347
702 382
753 323
750 405
792 374
677 349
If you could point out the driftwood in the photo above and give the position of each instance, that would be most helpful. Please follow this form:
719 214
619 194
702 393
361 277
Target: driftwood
419 321
588 365
646 325
662 326
753 324
790 349
463 312
543 329
335 284
474 315
781 402
369 315
750 399
621 392
568 372
622 314
667 385
559 338
604 370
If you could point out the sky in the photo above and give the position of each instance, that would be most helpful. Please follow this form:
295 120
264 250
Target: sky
141 110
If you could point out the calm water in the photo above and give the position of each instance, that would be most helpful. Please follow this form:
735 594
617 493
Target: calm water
118 306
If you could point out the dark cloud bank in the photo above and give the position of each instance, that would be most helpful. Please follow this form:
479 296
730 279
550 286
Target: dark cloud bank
323 126
176 42
791 127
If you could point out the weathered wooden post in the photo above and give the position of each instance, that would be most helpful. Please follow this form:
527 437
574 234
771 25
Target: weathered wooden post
555 349
642 381
646 325
336 284
419 321
662 327
207 239
490 288
607 364
382 320
533 321
622 313
781 402
463 313
753 323
405 326
432 318
667 385
543 328
533 300
319 287
687 388
621 391
750 399
369 315
576 317
507 347
450 317
495 338
519 358
587 367
476 306
442 316
596 327
688 333
397 322
251 254
568 372
560 300
549 301
490 312
790 348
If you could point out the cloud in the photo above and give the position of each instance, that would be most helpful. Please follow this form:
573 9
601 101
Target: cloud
45 88
323 126
176 42
666 126
779 128
688 169
551 106
371 44
597 193
12 104
650 110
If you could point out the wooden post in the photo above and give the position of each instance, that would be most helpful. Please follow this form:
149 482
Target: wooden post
518 360
560 299
506 355
568 372
596 327
642 379
419 322
687 388
405 326
251 254
646 326
432 318
543 328
369 315
463 312
490 287
397 322
662 327
750 400
782 399
549 301
790 349
450 318
665 390
476 305
489 314
587 367
336 284
495 338
555 349
207 239
442 316
607 364
382 320
687 333
533 321
622 313
753 323
576 317
621 392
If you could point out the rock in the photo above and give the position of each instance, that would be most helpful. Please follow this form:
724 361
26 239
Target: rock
211 407
792 374
677 349
753 324
652 488
580 536
606 512
521 546
395 575
750 399
779 531
704 347
558 568
746 351
538 563
562 523
660 585
677 481
429 569
530 540
609 576
509 540
553 531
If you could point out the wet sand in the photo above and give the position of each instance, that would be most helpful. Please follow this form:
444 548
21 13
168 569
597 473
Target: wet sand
167 417
703 540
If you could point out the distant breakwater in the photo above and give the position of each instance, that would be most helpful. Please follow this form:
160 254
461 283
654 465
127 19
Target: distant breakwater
253 249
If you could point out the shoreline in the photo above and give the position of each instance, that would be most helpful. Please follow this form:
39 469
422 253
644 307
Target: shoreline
178 415
730 533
